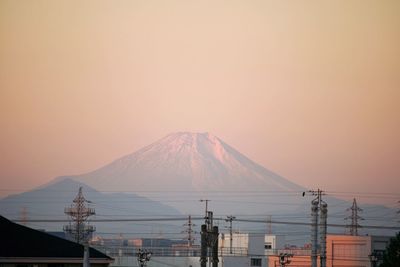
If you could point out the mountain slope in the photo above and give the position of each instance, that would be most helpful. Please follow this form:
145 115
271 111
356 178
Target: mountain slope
186 161
48 202
181 169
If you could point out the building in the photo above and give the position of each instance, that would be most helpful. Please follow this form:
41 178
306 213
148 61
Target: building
243 249
260 250
347 250
23 246
342 250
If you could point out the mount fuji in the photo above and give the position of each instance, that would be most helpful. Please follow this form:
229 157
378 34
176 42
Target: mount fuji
186 162
183 168
192 166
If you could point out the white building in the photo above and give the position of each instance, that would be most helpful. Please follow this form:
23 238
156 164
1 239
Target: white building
246 249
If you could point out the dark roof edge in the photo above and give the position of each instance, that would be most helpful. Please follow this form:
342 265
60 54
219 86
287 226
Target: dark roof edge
52 260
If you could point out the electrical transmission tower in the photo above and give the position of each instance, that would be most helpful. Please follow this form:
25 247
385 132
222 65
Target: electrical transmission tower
354 217
189 231
230 219
79 213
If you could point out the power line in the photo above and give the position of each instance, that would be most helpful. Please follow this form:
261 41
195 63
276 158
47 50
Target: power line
202 218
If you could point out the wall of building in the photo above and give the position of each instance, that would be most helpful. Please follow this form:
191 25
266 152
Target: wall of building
276 241
228 261
346 250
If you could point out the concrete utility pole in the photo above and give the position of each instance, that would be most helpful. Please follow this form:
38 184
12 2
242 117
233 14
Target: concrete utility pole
323 228
230 219
78 228
317 205
314 233
209 242
354 218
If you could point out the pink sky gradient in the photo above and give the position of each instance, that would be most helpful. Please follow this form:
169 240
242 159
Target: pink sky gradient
307 89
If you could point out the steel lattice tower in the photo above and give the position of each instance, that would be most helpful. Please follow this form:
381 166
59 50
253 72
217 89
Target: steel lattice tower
354 218
230 219
79 212
189 231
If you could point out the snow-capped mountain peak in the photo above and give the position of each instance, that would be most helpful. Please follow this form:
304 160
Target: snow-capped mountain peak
186 161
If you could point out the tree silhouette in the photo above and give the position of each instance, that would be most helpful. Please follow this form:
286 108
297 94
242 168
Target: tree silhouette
391 256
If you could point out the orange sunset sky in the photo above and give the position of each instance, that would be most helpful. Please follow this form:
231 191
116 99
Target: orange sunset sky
308 89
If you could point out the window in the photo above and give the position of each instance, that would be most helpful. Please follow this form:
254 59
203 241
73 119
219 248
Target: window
255 262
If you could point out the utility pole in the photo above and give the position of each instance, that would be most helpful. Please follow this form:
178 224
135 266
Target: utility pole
354 218
317 204
323 228
78 228
209 240
230 219
314 233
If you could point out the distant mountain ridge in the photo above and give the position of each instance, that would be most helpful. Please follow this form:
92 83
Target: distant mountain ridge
48 202
170 176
